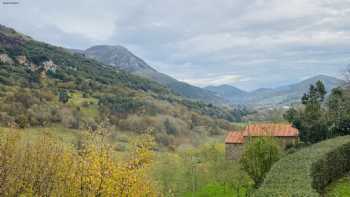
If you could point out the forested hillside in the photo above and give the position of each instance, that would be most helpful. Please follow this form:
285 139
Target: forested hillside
122 58
43 86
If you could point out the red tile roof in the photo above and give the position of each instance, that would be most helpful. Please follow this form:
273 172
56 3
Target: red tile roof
266 129
234 137
276 130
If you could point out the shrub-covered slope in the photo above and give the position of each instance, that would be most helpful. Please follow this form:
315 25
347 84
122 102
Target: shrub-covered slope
43 85
307 172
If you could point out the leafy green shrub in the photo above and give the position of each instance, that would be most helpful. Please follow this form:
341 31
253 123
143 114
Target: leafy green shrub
29 107
332 166
63 96
258 158
119 104
38 59
307 172
165 139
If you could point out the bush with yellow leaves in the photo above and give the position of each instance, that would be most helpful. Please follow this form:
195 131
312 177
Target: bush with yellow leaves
48 167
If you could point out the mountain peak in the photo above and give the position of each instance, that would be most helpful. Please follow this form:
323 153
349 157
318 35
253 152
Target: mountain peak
329 81
323 77
9 32
109 47
118 56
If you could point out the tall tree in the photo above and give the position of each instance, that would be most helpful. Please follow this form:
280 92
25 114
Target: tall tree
338 106
311 121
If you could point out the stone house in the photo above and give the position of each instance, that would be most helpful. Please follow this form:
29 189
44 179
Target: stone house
285 133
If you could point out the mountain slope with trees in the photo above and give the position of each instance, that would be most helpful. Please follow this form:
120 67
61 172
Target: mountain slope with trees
122 58
43 85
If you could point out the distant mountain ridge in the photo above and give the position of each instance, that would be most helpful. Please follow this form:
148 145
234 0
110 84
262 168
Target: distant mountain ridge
226 91
122 58
283 95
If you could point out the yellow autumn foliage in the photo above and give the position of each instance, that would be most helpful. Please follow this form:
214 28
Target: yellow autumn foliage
48 167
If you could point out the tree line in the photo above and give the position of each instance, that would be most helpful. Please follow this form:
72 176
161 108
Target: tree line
321 115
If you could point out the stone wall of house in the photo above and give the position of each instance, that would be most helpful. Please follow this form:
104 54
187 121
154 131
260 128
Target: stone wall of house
287 141
233 151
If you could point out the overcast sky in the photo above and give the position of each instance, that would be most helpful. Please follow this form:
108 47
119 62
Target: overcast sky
246 43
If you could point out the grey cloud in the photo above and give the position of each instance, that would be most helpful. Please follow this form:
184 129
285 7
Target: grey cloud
259 40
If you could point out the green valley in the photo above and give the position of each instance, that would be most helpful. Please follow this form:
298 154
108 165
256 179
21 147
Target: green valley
181 98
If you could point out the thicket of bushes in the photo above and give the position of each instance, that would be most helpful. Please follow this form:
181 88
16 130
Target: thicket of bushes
46 166
333 165
43 107
308 171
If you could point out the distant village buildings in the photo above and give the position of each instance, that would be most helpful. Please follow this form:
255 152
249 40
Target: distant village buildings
285 133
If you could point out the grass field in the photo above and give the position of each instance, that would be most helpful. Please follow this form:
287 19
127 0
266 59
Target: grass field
66 135
340 188
217 191
118 139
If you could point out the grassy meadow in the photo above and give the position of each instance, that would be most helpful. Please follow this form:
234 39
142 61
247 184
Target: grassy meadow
339 188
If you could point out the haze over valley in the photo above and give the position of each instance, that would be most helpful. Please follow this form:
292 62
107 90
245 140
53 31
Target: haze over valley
121 58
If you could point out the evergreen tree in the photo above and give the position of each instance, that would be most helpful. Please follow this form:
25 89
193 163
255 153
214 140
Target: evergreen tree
338 113
64 96
311 122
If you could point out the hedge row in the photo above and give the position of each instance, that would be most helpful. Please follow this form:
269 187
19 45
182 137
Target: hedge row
306 172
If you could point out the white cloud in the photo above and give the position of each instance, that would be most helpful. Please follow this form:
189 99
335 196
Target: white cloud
253 39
